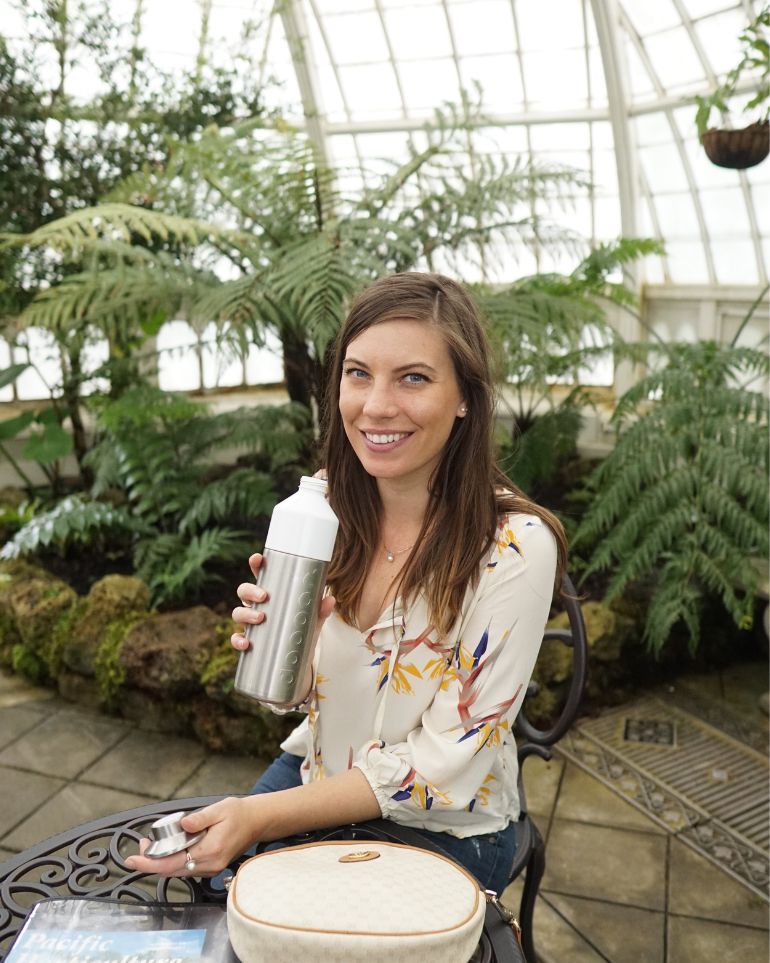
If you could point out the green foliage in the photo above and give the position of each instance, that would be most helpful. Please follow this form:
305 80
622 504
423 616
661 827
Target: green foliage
47 440
73 520
547 328
61 635
183 511
60 154
299 246
755 55
177 565
25 662
535 456
682 498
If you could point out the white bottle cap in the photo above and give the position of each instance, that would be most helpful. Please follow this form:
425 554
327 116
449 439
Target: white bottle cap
304 524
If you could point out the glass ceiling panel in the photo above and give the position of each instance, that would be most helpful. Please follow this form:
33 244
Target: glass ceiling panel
674 60
425 85
370 46
371 91
677 218
718 35
649 16
499 76
553 89
761 201
471 21
389 64
418 34
701 8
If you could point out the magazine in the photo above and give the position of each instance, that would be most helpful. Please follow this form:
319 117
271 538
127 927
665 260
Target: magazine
112 931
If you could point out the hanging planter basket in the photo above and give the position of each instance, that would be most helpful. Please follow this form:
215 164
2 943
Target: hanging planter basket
737 149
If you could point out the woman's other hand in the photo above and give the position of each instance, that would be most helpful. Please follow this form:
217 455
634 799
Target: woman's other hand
231 827
251 595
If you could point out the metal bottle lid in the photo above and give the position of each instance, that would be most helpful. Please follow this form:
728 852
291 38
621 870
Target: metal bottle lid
168 837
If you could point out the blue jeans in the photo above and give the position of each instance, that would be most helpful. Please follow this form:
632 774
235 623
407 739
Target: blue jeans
488 857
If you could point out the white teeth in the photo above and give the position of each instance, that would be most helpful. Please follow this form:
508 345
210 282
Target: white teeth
384 439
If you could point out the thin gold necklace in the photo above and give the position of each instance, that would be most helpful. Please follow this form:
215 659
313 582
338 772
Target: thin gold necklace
391 556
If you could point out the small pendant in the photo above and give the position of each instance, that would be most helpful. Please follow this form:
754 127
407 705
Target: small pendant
390 556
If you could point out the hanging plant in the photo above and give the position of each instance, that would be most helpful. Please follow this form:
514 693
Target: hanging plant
746 146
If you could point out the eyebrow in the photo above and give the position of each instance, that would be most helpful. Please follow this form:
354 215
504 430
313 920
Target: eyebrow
403 367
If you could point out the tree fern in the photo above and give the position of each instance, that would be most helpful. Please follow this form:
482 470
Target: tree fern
682 499
298 244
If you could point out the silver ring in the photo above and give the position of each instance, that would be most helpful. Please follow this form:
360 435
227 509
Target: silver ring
189 862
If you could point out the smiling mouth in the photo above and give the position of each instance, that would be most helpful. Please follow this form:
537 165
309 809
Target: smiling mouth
378 438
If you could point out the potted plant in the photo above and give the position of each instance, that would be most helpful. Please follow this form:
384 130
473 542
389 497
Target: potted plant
748 146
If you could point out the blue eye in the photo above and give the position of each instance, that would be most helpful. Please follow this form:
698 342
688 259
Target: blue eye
354 372
414 378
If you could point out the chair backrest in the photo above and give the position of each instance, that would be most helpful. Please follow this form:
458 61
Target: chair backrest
539 742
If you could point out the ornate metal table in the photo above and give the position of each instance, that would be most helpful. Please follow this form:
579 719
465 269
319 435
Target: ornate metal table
89 861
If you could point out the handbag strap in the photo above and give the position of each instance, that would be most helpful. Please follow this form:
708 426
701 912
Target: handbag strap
505 940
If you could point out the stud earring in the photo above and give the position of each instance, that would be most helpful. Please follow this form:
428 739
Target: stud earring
463 410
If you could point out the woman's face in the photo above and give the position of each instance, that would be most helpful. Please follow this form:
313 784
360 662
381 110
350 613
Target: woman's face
399 398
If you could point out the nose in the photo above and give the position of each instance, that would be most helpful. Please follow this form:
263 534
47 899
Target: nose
380 401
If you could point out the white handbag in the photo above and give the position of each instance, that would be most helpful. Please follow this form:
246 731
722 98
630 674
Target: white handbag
350 901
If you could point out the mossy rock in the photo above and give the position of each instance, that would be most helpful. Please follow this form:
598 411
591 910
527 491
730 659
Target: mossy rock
9 638
82 689
111 600
14 574
258 733
542 709
165 653
608 631
610 635
38 604
154 712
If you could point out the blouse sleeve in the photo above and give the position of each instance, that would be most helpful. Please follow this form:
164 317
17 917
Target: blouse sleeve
446 759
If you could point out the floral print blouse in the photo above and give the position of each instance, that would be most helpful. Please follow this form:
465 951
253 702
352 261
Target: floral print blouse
429 723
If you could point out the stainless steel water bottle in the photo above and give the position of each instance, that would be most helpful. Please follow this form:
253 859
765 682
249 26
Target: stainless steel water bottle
298 548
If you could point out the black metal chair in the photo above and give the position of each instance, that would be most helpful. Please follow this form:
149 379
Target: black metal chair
530 848
89 860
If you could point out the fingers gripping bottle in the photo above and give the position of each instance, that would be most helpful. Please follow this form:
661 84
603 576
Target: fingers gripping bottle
298 548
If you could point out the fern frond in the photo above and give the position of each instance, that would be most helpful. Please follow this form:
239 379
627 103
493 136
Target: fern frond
244 493
119 297
72 520
674 599
121 222
172 565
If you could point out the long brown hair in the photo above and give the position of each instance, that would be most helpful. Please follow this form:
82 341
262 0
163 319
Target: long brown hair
468 490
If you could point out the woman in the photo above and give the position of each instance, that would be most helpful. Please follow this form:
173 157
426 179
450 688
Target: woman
441 583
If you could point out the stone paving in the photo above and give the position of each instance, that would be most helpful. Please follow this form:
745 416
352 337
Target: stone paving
618 887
